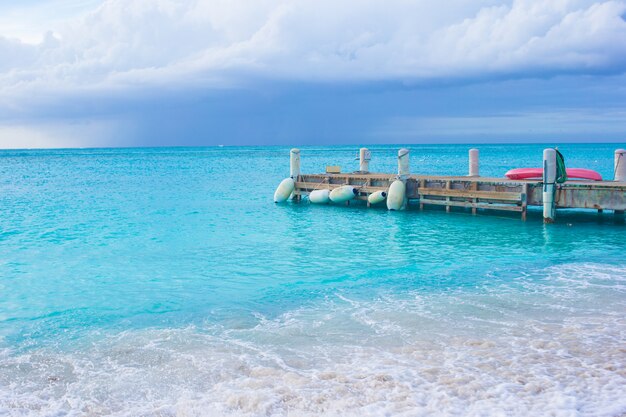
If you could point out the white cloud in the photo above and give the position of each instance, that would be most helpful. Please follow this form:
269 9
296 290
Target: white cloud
213 43
28 20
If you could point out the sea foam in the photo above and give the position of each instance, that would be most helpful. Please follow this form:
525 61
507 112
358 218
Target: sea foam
447 354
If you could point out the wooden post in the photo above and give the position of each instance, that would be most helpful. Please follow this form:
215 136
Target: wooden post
364 160
396 195
524 201
620 173
294 173
474 187
422 184
549 185
447 198
473 162
403 163
294 163
620 165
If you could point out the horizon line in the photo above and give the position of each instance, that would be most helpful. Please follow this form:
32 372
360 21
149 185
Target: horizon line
309 145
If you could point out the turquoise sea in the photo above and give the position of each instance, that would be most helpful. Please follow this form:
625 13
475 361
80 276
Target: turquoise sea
166 282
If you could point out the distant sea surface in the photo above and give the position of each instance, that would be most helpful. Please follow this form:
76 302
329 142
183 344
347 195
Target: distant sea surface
166 282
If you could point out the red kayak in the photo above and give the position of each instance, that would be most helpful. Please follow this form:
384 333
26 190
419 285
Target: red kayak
537 173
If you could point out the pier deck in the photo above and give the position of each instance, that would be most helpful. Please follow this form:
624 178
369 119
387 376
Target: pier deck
475 192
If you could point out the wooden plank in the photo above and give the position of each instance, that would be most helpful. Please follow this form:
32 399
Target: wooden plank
482 180
524 201
316 185
447 198
341 179
374 177
310 186
606 195
485 195
592 199
474 187
487 206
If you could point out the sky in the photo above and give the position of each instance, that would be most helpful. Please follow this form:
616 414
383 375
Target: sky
91 73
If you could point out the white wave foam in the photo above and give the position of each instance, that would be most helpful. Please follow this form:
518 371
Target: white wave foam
457 354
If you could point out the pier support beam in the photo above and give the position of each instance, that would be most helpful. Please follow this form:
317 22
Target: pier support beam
396 195
365 157
403 163
619 173
473 162
524 201
294 163
549 185
294 170
473 172
620 165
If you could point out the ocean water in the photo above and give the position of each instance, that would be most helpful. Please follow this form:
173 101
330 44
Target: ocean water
165 282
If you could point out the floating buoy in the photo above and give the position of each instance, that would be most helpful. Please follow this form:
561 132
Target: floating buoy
343 194
319 196
377 197
284 190
396 195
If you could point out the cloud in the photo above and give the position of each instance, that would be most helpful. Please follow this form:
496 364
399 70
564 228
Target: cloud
217 43
535 37
200 70
64 134
587 123
28 20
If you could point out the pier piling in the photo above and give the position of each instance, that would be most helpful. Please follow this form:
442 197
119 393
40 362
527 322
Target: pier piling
620 165
549 185
396 196
473 162
294 169
619 173
365 157
294 163
403 163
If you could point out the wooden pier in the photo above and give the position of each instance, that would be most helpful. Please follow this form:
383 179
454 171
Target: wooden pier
473 192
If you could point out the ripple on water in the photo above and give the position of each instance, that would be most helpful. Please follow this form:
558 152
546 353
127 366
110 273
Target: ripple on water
407 356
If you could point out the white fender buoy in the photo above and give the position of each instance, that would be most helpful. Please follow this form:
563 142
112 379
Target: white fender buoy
284 190
396 195
343 194
377 197
319 196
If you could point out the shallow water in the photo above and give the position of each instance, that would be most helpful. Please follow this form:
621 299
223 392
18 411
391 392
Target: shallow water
166 282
